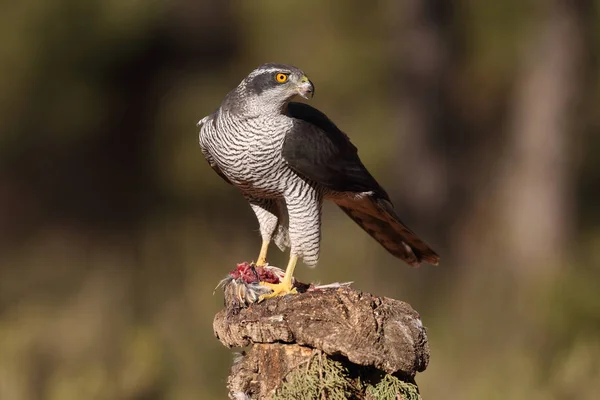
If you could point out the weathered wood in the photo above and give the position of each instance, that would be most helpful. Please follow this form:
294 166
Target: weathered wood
367 330
265 366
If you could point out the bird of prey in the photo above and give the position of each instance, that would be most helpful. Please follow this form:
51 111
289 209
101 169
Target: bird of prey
286 158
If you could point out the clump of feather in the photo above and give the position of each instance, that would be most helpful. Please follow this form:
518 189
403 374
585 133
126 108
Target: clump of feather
246 279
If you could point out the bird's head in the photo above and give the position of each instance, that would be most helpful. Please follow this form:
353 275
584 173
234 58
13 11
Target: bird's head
270 87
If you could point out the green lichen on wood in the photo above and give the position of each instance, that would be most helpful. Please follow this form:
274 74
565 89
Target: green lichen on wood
325 378
390 387
321 378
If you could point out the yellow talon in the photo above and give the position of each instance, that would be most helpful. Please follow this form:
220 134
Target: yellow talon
279 289
285 286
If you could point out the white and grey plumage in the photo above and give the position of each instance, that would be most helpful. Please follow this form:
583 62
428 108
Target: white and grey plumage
286 158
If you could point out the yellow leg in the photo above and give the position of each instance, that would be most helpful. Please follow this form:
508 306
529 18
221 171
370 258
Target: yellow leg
285 286
262 257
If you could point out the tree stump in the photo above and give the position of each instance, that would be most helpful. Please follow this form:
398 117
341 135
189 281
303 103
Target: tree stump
335 343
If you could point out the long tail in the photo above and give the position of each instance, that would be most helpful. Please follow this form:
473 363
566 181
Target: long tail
378 218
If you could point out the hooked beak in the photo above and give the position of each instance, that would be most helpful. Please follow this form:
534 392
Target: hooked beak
306 88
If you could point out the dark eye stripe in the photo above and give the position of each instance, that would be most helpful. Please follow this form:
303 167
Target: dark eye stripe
265 80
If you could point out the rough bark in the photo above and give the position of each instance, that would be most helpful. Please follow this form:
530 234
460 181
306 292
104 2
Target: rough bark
361 330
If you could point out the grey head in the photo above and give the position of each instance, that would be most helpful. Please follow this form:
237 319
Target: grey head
268 89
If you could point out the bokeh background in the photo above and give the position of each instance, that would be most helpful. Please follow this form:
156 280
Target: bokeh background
480 118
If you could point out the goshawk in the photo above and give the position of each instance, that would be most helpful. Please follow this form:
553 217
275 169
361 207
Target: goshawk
286 158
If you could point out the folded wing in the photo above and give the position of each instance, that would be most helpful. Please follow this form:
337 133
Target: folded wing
318 150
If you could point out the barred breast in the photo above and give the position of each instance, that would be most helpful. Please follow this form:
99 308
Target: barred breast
248 152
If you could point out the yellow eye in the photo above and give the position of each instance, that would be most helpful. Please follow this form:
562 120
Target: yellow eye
281 78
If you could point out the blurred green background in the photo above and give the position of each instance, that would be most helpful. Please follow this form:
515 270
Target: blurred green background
480 119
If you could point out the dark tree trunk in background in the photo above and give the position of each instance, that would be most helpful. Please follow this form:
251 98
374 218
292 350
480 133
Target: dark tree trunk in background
433 143
495 189
535 183
420 56
115 182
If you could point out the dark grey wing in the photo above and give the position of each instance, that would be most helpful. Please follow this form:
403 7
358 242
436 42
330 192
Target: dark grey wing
320 151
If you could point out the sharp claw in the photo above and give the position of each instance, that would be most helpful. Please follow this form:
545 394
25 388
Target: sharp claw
279 289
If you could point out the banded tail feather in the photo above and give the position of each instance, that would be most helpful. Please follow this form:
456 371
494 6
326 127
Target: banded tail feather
377 217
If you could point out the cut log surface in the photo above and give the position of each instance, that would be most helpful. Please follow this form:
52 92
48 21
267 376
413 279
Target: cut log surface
367 330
